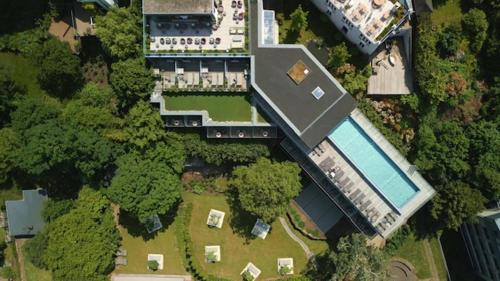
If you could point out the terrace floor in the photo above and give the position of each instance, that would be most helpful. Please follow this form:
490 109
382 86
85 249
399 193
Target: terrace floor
230 33
220 106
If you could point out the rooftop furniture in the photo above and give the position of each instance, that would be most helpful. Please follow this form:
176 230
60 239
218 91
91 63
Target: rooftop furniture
212 253
121 253
215 218
121 261
298 72
261 229
158 258
252 269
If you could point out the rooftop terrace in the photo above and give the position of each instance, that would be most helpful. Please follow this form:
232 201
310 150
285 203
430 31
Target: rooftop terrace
178 6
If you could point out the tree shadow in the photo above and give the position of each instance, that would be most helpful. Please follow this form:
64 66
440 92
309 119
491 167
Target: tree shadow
424 227
241 221
137 229
291 37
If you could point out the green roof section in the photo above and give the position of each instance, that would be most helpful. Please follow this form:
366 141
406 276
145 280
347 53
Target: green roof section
25 216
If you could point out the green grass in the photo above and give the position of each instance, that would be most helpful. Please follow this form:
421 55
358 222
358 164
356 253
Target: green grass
34 273
220 107
413 251
448 13
164 242
236 250
12 193
438 258
24 72
317 246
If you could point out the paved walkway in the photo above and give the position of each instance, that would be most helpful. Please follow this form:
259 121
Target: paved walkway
19 245
307 251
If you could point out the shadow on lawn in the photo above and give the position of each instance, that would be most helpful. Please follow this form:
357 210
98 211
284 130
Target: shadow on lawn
135 228
241 221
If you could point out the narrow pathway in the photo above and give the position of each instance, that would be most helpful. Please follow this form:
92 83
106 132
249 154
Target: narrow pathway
432 262
307 251
20 258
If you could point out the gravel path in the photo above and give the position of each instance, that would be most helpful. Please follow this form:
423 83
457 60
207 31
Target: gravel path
307 251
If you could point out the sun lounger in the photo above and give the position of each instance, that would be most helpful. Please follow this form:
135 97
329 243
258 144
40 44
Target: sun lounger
364 205
196 79
189 78
348 187
354 194
339 175
326 164
359 200
220 79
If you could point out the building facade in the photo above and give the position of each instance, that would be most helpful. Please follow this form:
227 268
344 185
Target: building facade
366 23
483 244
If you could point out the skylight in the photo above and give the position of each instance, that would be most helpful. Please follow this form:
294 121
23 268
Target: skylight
318 93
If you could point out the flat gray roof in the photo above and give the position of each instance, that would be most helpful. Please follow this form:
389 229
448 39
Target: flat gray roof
310 118
166 7
25 216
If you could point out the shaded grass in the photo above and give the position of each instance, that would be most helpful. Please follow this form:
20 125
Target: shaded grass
236 249
317 246
438 258
448 13
11 193
163 242
413 251
34 273
24 72
220 107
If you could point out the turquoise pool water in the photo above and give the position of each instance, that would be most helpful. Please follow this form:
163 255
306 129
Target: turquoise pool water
375 165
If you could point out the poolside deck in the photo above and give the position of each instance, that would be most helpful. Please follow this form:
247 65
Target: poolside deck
373 205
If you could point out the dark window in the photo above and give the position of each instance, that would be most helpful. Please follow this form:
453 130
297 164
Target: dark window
344 29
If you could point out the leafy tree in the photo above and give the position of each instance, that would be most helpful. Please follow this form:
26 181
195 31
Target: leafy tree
475 25
33 111
338 56
153 265
449 40
484 136
45 147
355 260
144 187
145 127
54 208
299 19
120 32
131 81
266 188
9 143
220 152
487 173
60 72
10 92
82 243
442 149
34 249
455 204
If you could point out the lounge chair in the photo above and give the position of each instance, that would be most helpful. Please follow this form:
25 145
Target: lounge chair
355 194
338 175
348 187
364 205
359 200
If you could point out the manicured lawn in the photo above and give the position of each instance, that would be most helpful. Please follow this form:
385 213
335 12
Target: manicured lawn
413 251
236 250
449 12
24 72
220 106
317 246
163 242
34 273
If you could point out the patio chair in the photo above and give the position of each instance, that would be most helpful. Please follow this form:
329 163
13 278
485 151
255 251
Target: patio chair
365 205
354 194
359 200
339 175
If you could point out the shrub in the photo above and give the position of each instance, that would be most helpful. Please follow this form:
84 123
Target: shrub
246 276
284 270
221 184
153 265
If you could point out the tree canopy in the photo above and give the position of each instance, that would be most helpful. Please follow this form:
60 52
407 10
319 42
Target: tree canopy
144 187
120 32
131 81
10 92
60 72
353 259
299 19
338 56
9 143
475 25
33 111
455 204
265 188
82 243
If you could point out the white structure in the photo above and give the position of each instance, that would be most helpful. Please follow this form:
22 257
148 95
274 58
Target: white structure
215 218
214 250
158 258
252 269
288 262
105 4
261 229
366 23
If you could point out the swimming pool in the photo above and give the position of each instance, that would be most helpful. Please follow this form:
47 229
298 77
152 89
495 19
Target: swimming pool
375 165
